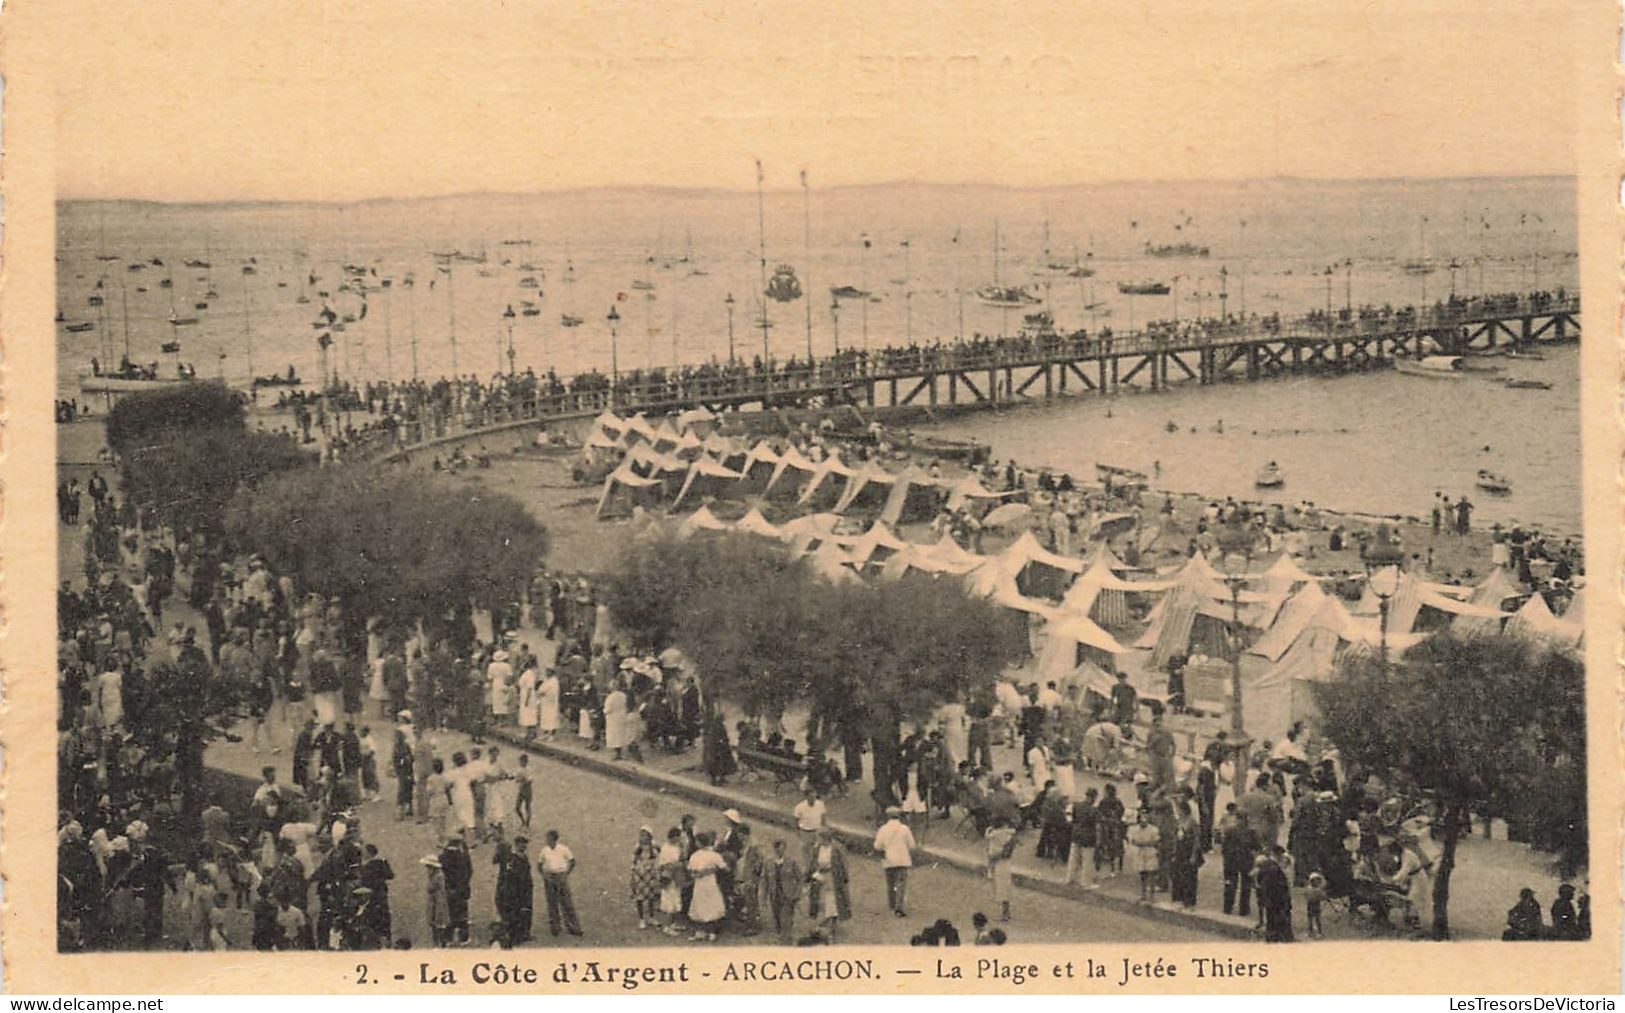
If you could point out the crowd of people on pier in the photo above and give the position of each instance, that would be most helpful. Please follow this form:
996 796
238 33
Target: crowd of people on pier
370 416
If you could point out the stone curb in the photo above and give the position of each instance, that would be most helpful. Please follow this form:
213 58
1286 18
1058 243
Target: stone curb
862 838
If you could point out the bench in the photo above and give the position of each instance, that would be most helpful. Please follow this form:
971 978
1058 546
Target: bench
785 769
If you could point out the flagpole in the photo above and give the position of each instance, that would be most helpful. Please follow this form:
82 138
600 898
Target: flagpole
761 241
806 241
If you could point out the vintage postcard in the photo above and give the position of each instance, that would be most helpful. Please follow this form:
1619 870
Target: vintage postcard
850 497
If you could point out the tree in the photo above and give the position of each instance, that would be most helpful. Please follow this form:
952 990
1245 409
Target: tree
1487 725
400 546
188 477
145 416
766 631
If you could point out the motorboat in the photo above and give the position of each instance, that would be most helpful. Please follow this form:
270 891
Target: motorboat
1490 482
1270 476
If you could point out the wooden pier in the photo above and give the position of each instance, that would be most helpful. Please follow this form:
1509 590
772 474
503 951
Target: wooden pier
1047 365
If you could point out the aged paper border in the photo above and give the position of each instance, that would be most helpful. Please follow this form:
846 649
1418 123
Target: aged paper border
32 965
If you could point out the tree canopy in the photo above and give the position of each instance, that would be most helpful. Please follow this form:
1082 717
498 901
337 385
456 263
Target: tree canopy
401 546
189 477
1486 725
145 416
766 631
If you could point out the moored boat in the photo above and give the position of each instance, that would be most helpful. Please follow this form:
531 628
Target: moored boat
1490 482
1142 287
1270 476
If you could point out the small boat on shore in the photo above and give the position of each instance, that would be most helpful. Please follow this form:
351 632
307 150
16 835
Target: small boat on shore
1490 482
80 328
1526 384
1120 476
1270 476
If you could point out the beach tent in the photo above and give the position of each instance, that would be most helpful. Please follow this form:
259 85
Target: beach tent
699 522
759 465
1491 592
1285 574
753 523
805 534
1418 604
666 438
1038 571
867 490
610 425
953 557
969 490
823 489
698 416
1109 525
708 479
790 475
1021 617
625 489
638 429
1535 621
915 496
689 448
1290 620
832 562
671 472
1103 596
1073 640
727 450
875 546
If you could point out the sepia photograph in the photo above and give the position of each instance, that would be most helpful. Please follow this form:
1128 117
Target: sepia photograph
545 478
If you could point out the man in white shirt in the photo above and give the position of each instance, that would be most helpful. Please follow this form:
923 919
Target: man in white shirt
895 842
809 813
555 862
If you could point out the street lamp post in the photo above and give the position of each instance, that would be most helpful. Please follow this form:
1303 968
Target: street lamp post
729 302
1238 557
1382 577
507 318
614 319
835 319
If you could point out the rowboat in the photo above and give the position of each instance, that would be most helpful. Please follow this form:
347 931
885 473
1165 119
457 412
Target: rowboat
1270 476
1490 482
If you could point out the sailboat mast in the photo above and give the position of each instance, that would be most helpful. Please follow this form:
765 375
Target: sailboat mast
806 243
124 301
451 313
761 245
412 323
389 345
248 327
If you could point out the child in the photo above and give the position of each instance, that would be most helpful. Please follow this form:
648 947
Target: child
522 798
1314 897
978 922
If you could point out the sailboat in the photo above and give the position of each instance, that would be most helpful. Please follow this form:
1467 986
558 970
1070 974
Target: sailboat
1422 265
1001 296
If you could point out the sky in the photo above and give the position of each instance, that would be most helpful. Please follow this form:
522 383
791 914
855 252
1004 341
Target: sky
194 100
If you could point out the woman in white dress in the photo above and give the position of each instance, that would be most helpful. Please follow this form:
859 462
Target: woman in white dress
460 784
500 676
706 908
376 691
615 721
527 705
548 704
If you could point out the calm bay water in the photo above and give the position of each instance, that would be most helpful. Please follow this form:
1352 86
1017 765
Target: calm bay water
1274 241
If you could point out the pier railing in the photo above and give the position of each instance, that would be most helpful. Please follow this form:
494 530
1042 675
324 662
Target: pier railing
495 408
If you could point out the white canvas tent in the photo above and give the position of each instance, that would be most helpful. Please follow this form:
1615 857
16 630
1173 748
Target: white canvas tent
866 490
1038 571
625 489
708 479
1491 593
759 466
915 496
876 545
638 428
1290 621
790 475
753 523
699 522
1071 640
968 490
824 488
689 447
610 425
698 416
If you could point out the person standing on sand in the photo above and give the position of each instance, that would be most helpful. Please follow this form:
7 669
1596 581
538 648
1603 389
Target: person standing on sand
547 702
